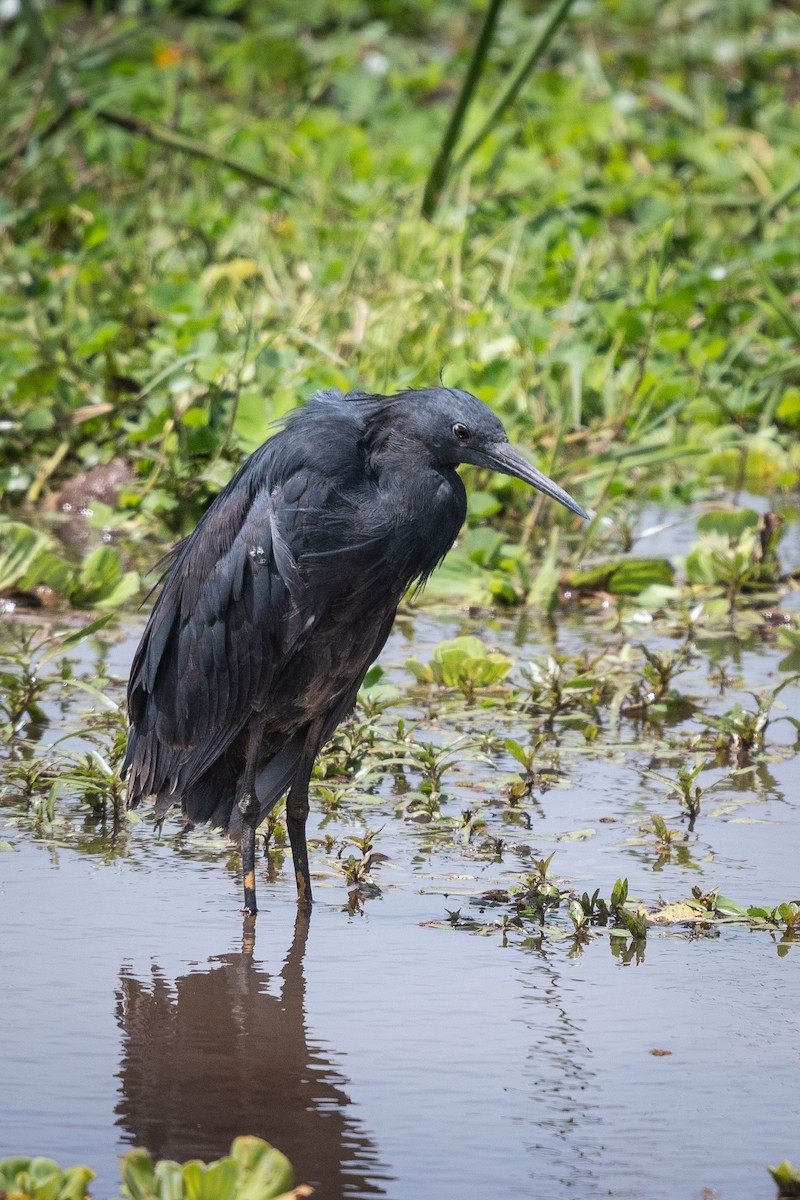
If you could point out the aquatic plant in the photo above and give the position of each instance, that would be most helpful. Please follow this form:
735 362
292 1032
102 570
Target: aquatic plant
787 1177
43 1179
253 1170
357 869
464 663
737 553
741 731
34 572
684 787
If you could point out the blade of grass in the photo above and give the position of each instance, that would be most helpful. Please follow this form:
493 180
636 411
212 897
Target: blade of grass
517 81
768 211
777 302
44 53
186 145
441 166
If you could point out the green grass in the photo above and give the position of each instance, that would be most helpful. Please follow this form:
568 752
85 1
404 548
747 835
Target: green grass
613 269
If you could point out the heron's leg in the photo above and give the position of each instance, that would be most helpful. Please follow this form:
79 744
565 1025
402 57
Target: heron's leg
297 813
251 810
249 822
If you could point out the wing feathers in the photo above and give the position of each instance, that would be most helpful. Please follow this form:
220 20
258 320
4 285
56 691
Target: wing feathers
228 611
275 605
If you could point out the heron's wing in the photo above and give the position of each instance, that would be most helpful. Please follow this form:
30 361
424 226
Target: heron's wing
229 615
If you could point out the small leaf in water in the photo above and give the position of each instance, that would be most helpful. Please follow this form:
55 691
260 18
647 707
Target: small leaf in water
729 524
217 1181
729 908
138 1176
463 663
76 636
264 1171
787 1178
576 835
623 576
633 576
516 751
421 673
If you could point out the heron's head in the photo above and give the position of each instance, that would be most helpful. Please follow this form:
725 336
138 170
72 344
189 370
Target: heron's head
456 428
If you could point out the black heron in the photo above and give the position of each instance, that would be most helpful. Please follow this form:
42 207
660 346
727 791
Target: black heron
273 609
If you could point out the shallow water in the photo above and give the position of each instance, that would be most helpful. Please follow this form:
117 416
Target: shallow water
385 1052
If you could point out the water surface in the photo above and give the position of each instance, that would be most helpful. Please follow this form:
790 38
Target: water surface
391 1055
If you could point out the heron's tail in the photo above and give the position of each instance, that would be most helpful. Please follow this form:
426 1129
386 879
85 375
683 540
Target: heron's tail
211 799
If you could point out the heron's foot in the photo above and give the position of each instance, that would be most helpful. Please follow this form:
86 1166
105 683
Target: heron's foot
304 897
250 907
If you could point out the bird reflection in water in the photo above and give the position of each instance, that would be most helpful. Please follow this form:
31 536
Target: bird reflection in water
218 1054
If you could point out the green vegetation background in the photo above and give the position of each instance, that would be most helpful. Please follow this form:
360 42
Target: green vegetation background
614 269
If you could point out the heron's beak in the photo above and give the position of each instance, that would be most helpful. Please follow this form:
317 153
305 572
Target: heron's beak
502 457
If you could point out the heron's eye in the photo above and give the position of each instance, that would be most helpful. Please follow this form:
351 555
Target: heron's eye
461 432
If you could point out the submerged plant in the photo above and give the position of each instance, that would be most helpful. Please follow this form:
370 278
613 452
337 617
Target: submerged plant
357 869
737 552
684 788
528 758
563 683
40 775
433 762
742 731
654 692
22 685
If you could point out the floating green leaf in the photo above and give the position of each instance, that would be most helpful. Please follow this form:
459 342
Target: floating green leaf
623 577
787 1178
727 523
463 663
43 1179
254 1170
